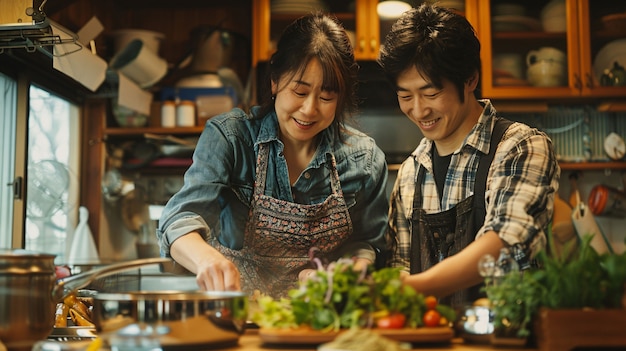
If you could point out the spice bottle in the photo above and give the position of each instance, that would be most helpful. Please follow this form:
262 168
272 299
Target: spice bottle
168 114
186 114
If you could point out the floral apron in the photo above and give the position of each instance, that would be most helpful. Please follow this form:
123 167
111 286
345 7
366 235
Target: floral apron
279 234
437 236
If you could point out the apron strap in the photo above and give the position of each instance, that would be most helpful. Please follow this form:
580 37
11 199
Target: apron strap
480 183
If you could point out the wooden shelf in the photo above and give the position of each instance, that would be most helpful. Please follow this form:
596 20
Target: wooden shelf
153 130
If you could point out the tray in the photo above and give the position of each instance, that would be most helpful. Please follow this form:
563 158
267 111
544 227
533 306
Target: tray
310 336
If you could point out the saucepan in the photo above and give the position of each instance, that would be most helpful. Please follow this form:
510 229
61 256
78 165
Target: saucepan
171 320
29 292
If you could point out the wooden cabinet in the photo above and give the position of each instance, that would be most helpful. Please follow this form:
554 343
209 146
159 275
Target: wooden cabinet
584 36
359 17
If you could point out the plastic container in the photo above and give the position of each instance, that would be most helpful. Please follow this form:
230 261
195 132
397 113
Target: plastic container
186 114
168 114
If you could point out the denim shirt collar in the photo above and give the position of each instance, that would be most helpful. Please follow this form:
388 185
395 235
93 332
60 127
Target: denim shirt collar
269 133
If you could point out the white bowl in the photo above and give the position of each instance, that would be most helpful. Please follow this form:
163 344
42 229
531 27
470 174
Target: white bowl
555 8
556 24
553 16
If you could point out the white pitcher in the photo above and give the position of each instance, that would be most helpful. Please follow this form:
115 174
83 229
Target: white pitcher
549 54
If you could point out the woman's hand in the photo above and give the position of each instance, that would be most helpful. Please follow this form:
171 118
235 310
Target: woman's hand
213 271
217 274
305 274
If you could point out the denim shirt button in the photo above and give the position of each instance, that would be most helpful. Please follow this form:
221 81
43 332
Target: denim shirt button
307 175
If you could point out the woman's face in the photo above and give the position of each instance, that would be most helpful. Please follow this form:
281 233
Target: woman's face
302 107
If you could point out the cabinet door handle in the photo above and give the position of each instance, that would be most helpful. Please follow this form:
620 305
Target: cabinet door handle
362 45
589 80
578 84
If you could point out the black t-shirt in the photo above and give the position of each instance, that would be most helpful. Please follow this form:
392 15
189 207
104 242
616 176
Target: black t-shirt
440 169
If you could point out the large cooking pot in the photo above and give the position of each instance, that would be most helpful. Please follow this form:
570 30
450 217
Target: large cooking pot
177 319
29 292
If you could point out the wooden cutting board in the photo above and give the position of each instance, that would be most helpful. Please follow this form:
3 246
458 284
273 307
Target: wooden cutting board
309 336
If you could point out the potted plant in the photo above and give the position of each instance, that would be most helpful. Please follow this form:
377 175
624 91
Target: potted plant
564 300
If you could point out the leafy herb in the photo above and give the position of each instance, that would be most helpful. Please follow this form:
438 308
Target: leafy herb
517 297
338 296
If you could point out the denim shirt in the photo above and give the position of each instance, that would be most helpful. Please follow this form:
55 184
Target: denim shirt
218 186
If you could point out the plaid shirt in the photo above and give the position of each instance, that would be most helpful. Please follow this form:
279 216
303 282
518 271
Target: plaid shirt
519 196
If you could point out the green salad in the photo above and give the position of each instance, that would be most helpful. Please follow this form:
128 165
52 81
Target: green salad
338 296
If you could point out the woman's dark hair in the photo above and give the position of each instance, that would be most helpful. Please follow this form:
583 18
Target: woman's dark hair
319 36
439 43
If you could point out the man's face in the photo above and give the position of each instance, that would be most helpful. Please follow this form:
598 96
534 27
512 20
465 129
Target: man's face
438 112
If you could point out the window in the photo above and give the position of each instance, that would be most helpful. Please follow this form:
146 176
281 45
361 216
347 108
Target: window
52 184
8 97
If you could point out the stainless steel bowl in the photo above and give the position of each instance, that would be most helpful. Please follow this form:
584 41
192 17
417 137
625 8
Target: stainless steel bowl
189 319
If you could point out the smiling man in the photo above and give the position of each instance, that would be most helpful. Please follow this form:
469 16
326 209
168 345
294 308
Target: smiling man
476 183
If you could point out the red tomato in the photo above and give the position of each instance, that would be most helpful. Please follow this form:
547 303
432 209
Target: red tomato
431 302
432 318
392 321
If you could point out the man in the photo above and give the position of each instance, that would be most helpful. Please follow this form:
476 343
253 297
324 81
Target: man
446 212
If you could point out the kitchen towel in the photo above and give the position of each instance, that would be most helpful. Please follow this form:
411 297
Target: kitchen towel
83 249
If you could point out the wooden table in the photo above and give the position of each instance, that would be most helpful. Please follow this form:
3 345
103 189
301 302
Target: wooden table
251 341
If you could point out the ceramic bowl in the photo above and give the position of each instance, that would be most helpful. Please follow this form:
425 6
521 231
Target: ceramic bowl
509 9
553 16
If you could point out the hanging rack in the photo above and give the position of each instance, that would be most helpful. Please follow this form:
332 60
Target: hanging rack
38 36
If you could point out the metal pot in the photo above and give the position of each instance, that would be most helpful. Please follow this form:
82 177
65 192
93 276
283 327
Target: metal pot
171 319
29 292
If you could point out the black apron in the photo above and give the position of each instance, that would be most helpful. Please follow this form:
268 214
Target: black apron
437 236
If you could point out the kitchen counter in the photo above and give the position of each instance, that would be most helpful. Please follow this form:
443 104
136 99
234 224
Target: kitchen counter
250 341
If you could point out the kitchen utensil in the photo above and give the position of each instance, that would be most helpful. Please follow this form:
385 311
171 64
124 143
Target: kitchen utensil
614 146
607 201
475 324
140 64
614 51
188 319
29 292
586 225
563 231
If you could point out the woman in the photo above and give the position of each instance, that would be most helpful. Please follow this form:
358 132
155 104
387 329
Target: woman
289 178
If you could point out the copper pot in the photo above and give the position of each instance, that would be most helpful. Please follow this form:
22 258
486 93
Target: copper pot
29 292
